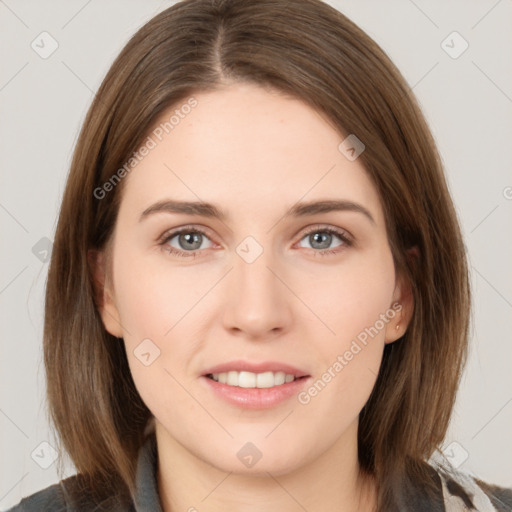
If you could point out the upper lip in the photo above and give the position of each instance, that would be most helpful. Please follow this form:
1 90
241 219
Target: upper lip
246 366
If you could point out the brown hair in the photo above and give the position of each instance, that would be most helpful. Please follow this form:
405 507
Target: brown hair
310 51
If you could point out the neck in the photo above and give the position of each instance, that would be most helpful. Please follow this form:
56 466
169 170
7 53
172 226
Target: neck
333 481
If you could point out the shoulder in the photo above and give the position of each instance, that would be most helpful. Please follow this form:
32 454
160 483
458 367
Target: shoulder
50 499
80 494
69 495
463 489
501 497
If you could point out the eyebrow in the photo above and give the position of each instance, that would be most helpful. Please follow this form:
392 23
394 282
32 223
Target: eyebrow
298 210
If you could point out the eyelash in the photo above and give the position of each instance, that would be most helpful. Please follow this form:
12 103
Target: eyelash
166 237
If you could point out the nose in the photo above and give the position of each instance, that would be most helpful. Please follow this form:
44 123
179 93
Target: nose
257 302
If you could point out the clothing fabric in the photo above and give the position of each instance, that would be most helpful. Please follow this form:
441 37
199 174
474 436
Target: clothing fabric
458 492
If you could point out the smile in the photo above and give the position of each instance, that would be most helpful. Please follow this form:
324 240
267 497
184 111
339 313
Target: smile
246 379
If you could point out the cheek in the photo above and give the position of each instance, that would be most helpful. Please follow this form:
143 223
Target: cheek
153 295
352 296
357 308
158 307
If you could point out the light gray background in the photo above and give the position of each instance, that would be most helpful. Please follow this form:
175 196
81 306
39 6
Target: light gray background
467 101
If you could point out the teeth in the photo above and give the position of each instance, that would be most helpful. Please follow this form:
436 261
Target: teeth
253 380
232 379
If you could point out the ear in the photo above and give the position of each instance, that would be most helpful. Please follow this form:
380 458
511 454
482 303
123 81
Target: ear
402 303
103 292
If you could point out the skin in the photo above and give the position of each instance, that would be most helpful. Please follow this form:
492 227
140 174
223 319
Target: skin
254 153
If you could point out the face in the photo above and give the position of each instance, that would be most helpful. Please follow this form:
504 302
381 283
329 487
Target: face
261 318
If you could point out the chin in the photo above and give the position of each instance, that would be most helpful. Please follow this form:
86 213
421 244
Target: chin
257 458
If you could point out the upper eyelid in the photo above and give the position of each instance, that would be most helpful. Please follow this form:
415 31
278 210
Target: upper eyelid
171 233
327 227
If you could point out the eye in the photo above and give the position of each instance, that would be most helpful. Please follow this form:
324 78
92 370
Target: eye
185 242
321 239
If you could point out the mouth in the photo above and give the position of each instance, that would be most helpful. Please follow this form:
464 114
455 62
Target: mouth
254 385
245 379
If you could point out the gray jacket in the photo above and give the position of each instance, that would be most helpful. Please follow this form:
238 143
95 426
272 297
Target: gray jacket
455 492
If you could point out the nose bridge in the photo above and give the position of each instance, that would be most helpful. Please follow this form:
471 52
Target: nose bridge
257 301
256 275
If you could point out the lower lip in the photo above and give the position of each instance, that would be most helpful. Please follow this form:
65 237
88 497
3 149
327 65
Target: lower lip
256 398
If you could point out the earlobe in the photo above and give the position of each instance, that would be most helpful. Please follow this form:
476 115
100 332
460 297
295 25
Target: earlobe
103 293
396 328
403 305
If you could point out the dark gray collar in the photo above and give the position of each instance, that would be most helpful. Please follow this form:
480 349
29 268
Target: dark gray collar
147 497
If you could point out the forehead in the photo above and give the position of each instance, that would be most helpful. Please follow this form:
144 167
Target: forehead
250 150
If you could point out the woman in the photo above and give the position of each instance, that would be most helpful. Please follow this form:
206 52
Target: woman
258 295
